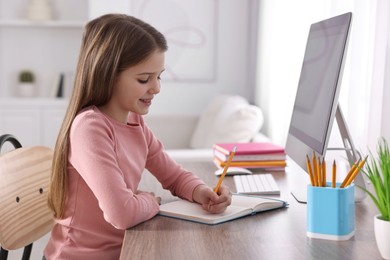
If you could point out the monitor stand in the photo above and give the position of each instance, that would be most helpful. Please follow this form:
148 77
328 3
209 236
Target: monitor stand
300 193
351 152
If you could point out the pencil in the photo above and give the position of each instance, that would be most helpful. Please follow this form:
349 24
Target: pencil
225 169
319 172
357 170
319 169
315 170
323 166
334 175
309 170
351 171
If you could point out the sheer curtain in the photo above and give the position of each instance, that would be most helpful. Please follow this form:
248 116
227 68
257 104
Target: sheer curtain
283 30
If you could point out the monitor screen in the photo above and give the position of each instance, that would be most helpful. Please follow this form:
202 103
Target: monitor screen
318 88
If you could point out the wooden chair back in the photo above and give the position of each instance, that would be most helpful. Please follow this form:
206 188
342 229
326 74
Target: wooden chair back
24 182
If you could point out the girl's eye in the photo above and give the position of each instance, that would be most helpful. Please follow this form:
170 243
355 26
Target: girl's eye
143 81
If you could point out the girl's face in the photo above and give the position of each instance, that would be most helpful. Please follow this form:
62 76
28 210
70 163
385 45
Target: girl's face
135 88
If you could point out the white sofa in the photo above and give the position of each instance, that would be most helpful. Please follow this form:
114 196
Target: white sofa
225 119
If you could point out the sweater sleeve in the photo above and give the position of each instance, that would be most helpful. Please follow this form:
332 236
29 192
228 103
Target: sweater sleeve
93 154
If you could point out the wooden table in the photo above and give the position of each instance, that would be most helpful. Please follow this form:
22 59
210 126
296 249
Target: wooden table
277 234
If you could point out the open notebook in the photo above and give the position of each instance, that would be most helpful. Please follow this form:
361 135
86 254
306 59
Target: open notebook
241 206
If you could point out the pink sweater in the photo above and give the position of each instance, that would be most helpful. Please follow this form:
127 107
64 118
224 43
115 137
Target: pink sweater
106 161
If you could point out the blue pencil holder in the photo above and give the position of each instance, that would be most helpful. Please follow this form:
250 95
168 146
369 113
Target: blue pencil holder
331 212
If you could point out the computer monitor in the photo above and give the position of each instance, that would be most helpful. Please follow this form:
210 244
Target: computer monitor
316 104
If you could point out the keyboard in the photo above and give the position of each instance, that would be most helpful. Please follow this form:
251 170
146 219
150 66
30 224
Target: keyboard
256 184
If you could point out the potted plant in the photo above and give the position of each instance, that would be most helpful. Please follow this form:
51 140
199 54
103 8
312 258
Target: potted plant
26 83
377 171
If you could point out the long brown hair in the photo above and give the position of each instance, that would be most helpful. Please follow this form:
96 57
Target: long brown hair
111 43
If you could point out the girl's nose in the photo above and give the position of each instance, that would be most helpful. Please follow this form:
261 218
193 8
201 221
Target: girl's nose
155 89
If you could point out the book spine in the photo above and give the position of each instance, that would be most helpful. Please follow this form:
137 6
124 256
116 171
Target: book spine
261 157
247 164
220 149
248 152
220 156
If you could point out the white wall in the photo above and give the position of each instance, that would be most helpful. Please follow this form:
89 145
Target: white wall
234 65
283 31
385 129
212 47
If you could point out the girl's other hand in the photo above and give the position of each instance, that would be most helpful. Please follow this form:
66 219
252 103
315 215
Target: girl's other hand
211 201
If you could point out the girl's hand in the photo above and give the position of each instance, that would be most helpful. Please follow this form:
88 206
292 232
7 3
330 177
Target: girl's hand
211 201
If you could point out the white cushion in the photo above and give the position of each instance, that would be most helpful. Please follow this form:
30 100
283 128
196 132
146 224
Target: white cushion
227 119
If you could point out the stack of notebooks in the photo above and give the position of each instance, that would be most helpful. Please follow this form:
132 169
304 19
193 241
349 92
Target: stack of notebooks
263 155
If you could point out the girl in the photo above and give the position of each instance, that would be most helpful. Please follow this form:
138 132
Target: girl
104 145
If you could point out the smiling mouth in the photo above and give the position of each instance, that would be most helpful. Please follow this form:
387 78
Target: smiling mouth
146 101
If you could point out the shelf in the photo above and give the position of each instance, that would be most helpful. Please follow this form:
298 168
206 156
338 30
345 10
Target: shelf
4 102
42 24
28 103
